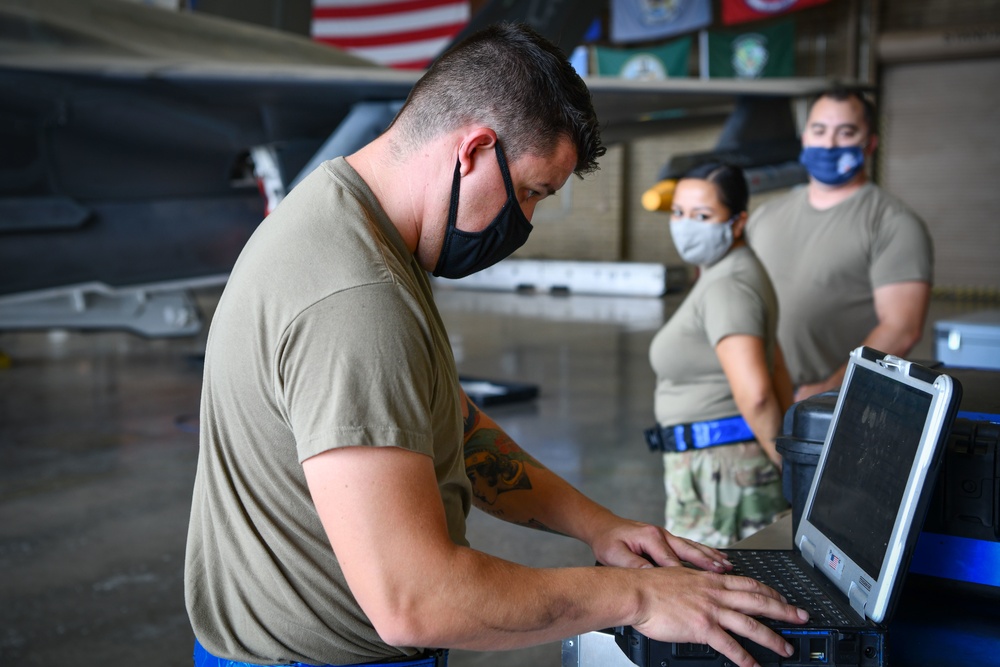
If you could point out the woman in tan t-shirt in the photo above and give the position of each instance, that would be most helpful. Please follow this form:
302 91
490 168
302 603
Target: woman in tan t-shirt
721 387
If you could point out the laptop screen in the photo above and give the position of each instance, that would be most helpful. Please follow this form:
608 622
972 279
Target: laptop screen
872 449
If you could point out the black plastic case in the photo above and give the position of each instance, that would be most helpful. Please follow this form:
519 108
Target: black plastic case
966 501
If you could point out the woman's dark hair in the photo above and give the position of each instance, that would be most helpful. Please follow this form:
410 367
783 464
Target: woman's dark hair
509 78
728 180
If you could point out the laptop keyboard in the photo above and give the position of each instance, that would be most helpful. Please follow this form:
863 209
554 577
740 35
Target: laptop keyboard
780 571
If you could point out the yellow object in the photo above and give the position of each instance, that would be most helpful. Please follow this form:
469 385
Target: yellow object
659 197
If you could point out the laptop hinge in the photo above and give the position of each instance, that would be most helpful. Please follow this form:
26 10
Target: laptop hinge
808 550
858 597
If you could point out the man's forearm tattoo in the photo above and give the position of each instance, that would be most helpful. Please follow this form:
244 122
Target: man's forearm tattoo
493 462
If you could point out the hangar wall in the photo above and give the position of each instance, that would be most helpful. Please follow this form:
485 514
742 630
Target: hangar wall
936 108
941 155
936 68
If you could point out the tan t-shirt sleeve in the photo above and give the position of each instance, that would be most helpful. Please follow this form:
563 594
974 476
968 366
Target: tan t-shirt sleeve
902 251
733 307
369 383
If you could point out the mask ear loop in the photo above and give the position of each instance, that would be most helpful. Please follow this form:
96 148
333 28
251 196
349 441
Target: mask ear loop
453 207
509 185
505 172
452 216
732 224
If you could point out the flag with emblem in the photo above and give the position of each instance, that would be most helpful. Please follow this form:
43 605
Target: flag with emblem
665 61
741 11
650 20
405 34
752 54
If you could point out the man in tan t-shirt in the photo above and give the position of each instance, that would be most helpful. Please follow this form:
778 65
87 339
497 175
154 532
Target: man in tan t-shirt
339 456
851 264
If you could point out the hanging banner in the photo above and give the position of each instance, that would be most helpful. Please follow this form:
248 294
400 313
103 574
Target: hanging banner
650 20
666 61
594 32
741 11
406 34
752 54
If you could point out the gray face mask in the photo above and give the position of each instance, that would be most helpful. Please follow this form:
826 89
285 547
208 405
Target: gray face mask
702 243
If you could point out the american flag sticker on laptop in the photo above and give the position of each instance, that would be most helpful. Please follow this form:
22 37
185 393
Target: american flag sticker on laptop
834 562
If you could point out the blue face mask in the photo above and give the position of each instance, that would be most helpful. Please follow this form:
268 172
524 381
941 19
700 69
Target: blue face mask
833 166
464 253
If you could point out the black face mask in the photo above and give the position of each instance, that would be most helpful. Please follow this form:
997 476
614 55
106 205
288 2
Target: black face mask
464 253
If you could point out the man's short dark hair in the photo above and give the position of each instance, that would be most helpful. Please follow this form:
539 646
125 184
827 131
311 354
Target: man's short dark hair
845 93
511 79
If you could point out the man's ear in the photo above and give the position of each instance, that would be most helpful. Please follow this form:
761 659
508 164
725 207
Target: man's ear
473 141
872 144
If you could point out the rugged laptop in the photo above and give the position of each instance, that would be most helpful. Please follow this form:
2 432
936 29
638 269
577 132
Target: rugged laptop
866 506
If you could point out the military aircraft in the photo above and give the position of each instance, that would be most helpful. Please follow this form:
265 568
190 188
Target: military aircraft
141 146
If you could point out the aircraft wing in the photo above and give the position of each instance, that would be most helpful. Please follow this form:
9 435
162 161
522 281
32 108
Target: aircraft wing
131 133
127 133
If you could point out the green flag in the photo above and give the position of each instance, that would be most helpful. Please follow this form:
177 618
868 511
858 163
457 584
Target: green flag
752 54
664 61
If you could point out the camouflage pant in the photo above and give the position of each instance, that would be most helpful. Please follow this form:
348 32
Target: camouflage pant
720 495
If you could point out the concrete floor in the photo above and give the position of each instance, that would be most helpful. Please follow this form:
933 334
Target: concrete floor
98 443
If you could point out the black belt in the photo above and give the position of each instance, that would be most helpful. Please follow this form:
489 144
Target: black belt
698 435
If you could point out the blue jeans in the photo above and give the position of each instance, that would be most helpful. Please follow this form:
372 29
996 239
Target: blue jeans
203 658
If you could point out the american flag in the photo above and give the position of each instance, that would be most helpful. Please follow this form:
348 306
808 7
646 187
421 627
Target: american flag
405 34
833 561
